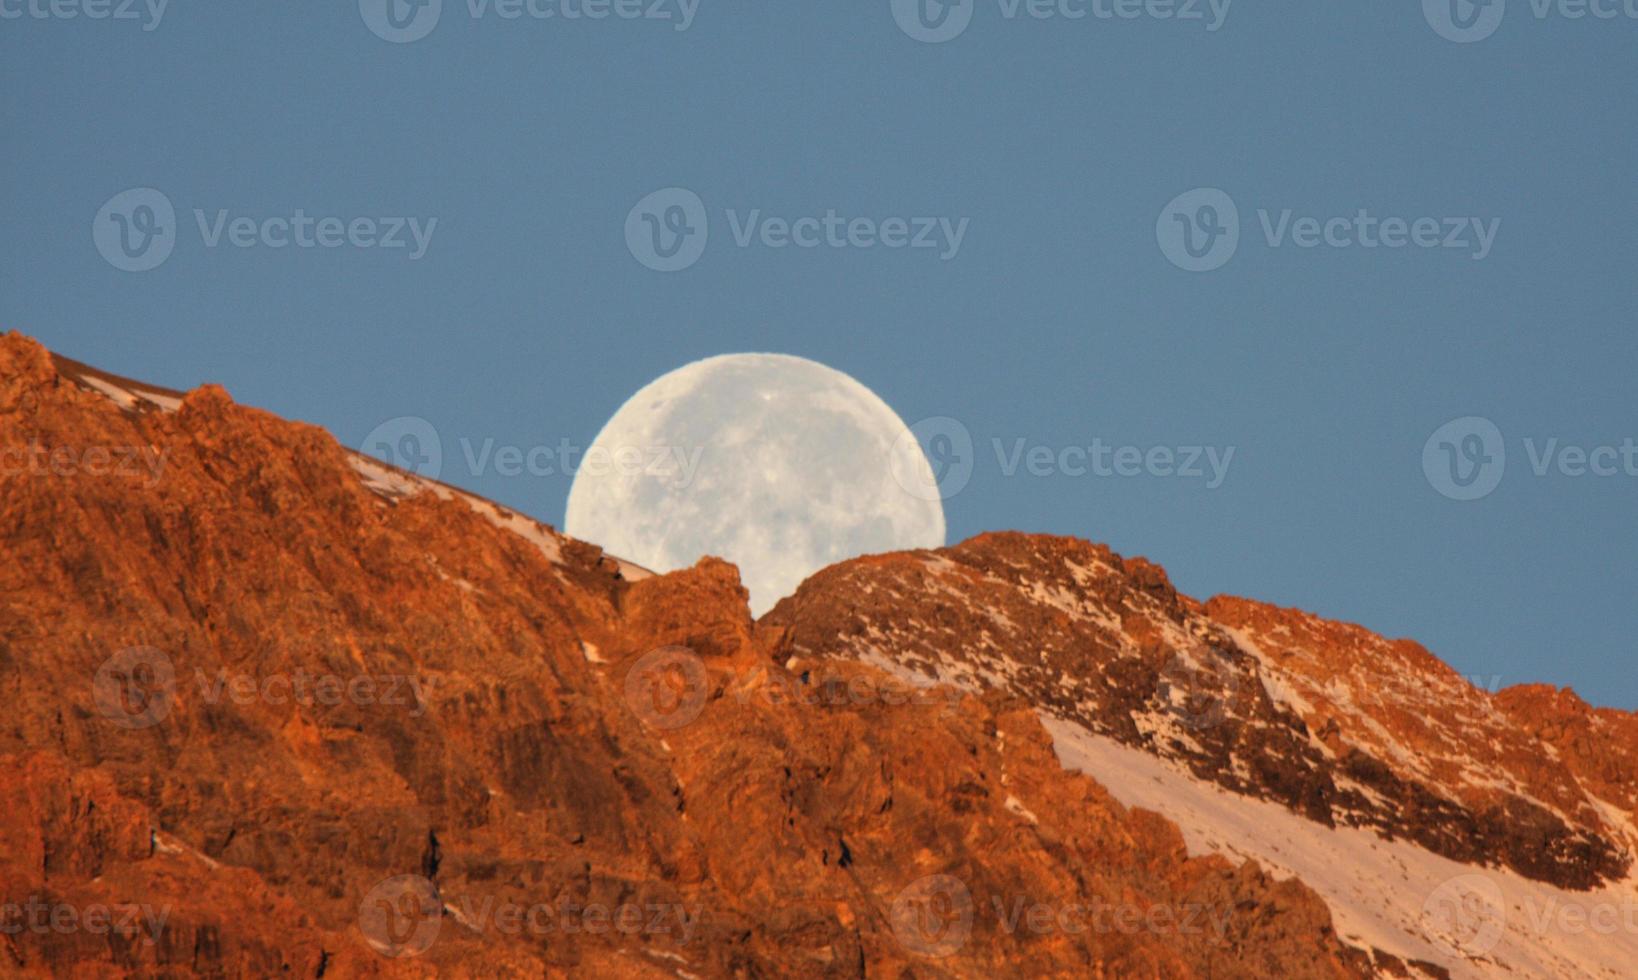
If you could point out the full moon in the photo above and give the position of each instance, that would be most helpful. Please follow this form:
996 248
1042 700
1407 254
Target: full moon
778 464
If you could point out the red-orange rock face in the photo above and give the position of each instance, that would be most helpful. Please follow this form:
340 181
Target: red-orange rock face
1330 720
275 709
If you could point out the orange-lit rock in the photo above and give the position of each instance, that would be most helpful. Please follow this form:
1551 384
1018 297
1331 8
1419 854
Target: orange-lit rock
275 708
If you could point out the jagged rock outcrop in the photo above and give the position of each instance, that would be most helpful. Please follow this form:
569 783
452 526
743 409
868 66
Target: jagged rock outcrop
1330 720
322 718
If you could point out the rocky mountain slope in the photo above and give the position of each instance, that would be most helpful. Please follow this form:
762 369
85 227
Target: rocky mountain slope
1374 744
277 708
1328 719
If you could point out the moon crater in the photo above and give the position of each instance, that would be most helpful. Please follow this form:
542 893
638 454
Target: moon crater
776 463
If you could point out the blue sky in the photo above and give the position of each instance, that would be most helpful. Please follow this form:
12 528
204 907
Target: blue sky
1073 153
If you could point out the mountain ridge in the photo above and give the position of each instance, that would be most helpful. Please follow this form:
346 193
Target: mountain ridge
1014 722
523 743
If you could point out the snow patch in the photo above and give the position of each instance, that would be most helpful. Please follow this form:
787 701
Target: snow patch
1014 806
1391 895
128 399
384 480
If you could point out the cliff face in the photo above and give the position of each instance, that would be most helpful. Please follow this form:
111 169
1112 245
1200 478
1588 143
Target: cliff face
275 708
1448 828
1329 720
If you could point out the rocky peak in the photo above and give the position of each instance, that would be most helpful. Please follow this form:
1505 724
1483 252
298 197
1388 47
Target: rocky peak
301 713
1328 719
